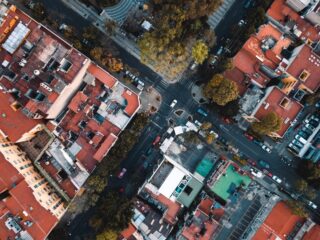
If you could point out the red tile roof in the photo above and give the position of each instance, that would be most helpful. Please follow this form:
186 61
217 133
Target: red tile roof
76 101
309 61
128 232
272 104
132 102
102 75
173 208
238 77
21 202
280 12
192 232
105 147
280 222
313 234
14 123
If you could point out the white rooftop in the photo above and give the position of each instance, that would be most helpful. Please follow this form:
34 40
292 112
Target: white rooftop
16 38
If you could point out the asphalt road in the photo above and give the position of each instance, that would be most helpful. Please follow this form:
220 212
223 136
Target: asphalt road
159 122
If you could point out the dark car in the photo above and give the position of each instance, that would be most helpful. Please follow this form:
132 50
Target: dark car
264 164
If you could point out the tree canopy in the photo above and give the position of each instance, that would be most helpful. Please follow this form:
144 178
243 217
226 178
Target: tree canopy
221 90
200 52
268 124
297 208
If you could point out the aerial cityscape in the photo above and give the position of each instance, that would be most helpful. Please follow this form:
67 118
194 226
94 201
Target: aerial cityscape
160 119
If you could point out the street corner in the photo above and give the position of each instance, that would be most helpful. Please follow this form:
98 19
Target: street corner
197 94
151 100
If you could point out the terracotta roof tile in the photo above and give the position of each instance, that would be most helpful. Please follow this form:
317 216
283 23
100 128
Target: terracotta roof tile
132 100
272 104
102 75
14 123
280 222
309 61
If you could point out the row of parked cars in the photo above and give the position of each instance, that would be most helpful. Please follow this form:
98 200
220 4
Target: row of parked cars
300 139
264 166
136 81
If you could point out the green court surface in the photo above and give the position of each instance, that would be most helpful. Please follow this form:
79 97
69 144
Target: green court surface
231 179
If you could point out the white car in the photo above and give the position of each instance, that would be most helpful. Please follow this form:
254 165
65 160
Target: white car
264 147
214 134
173 103
276 179
311 204
256 173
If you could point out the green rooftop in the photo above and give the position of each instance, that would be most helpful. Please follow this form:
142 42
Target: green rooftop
229 181
204 167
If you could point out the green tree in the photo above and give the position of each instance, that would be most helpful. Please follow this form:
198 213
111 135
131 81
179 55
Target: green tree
311 193
297 208
221 90
200 52
301 185
107 235
268 124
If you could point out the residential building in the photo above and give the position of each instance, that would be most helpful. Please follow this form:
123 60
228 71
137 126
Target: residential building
22 215
307 8
278 102
60 116
281 223
290 22
201 225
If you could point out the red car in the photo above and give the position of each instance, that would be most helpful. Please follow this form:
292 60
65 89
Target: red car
248 136
251 162
266 172
156 140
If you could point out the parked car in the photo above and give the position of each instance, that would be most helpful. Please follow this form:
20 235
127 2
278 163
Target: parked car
214 134
122 173
311 204
309 126
264 164
173 103
251 162
256 173
213 61
267 149
300 139
297 143
294 148
304 134
156 140
276 179
247 135
266 172
202 112
307 130
314 123
241 23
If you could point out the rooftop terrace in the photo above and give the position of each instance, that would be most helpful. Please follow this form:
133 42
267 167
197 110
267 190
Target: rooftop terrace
228 181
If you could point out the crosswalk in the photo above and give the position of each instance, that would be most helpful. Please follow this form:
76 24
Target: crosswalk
215 18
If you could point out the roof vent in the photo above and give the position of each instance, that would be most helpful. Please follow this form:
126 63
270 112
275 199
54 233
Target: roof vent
36 72
266 106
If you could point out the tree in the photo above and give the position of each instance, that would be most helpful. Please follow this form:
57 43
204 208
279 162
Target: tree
39 11
107 235
301 185
96 53
231 109
297 208
268 124
221 90
110 26
113 64
200 52
206 125
210 138
90 33
227 63
311 193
